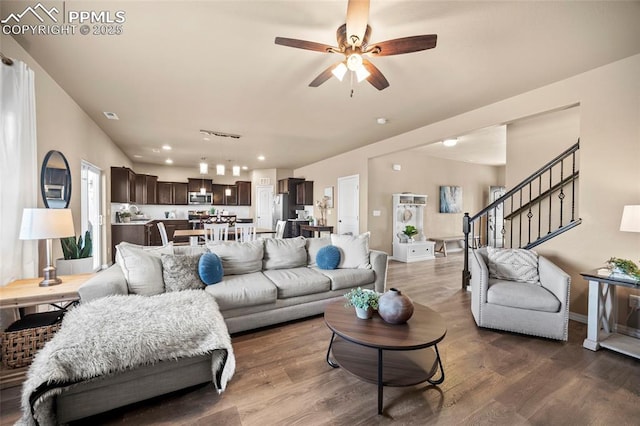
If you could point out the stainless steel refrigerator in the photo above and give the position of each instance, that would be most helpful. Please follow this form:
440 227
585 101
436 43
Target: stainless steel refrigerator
280 208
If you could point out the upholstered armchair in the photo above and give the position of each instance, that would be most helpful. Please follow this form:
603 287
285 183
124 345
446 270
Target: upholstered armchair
539 306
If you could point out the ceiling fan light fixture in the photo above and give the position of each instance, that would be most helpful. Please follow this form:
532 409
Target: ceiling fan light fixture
339 71
354 62
362 74
220 169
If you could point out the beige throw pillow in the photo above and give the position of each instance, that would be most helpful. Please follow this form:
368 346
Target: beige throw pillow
354 250
239 258
313 246
284 253
142 267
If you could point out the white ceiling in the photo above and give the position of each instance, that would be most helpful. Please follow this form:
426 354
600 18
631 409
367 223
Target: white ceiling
485 146
182 66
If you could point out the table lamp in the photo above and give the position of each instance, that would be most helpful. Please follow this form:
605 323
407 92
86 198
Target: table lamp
630 219
46 224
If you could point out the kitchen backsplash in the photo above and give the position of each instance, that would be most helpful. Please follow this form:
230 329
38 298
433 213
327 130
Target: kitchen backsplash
153 211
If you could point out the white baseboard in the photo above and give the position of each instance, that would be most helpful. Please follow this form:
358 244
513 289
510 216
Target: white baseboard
622 329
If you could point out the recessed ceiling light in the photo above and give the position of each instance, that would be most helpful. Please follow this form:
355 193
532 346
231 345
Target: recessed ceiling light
206 138
245 168
381 120
156 150
261 157
137 156
450 142
168 161
111 115
166 147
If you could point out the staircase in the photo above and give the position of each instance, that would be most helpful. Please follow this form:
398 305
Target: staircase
539 208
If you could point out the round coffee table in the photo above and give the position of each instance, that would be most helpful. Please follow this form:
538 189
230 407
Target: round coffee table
386 354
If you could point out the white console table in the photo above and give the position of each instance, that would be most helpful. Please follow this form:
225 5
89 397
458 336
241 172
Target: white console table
601 328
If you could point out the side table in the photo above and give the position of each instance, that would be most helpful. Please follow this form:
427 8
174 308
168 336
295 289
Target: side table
25 293
603 309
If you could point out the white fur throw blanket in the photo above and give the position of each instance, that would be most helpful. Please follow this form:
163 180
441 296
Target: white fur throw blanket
117 333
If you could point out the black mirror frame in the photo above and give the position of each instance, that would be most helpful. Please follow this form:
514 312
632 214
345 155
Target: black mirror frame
67 188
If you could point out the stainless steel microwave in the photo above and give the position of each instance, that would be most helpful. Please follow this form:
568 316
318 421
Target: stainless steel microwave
200 198
54 192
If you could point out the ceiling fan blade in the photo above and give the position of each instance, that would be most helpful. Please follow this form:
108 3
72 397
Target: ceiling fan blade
357 18
399 46
303 44
322 77
376 78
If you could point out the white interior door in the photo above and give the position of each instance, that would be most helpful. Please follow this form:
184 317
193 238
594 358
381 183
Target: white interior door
264 206
349 205
90 196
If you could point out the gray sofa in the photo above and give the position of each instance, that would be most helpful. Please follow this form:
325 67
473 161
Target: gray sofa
288 286
265 282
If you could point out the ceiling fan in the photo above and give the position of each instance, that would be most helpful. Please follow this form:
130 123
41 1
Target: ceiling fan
353 43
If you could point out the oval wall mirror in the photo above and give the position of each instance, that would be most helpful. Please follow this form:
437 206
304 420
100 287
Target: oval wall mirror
55 181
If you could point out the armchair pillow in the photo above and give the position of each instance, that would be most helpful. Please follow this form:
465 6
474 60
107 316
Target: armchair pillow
513 265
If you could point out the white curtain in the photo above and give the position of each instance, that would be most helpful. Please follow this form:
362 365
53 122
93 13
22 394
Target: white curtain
19 184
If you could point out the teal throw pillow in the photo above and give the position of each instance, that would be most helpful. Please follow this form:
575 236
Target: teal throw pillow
328 257
210 268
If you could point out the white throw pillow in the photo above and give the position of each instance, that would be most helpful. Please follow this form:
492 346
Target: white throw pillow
513 265
354 250
239 258
284 253
313 246
142 267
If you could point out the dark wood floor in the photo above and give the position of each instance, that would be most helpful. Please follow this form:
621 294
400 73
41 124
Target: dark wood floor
491 377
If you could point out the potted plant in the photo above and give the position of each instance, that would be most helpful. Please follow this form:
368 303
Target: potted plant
125 217
410 231
624 268
365 301
77 255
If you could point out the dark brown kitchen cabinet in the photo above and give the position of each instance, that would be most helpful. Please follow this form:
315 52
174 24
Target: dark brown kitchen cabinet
180 193
218 194
196 183
146 189
244 193
304 193
123 185
174 193
134 234
230 195
171 226
288 186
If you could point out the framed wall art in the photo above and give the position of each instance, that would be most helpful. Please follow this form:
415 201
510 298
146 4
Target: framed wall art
450 199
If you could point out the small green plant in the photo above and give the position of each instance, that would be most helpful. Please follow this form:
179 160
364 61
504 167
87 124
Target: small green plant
80 249
410 231
626 266
125 214
361 298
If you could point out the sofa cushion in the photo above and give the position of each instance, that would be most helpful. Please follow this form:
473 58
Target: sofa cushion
180 272
513 264
354 250
522 295
210 268
347 278
284 253
199 249
313 245
238 291
328 257
298 281
239 258
142 267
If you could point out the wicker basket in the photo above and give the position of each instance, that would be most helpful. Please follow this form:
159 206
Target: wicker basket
20 346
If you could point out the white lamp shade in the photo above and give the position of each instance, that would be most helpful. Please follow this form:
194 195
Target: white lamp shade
630 219
41 224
